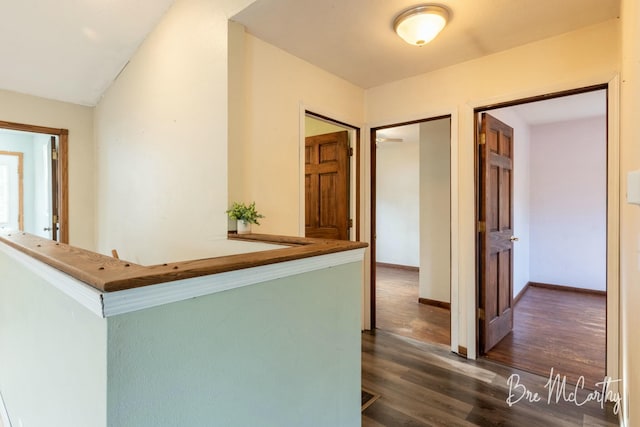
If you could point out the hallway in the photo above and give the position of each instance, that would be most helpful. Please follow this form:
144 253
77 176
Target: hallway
552 328
427 385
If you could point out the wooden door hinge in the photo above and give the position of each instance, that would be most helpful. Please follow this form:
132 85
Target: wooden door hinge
483 138
482 227
55 219
54 154
350 223
350 151
481 313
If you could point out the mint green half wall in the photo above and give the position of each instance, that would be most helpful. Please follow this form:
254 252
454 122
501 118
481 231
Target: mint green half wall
280 353
53 354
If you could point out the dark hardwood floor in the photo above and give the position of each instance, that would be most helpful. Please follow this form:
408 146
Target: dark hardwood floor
426 385
557 329
398 309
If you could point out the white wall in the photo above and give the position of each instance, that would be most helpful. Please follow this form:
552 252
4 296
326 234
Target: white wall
521 188
577 59
398 201
265 126
568 203
78 120
161 139
435 210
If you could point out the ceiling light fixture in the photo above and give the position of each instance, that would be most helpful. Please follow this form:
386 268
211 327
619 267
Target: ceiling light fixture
421 24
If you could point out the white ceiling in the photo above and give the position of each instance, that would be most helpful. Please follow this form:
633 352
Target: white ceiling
566 108
71 50
562 109
354 39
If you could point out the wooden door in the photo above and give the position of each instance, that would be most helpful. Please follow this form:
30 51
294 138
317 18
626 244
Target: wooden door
327 186
495 228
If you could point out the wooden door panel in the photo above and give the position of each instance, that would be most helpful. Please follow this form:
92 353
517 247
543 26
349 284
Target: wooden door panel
505 200
491 306
493 220
504 298
496 220
309 201
308 152
493 143
327 186
328 152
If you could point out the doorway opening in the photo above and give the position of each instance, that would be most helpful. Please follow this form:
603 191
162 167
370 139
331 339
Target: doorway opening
542 233
34 180
331 178
411 229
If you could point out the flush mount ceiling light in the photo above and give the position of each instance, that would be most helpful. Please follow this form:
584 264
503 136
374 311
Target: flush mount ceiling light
421 24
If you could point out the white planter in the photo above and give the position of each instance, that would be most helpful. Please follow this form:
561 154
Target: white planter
243 227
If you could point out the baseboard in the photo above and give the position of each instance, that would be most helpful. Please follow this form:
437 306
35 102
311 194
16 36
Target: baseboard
566 288
398 266
435 303
521 293
4 415
462 351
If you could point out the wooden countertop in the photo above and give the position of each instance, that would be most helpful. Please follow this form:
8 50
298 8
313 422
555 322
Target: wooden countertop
109 274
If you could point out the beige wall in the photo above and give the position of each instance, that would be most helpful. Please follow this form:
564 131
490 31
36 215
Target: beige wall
161 140
581 58
630 214
31 110
265 128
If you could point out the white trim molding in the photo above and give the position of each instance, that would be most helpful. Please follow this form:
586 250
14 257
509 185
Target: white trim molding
87 296
107 304
129 300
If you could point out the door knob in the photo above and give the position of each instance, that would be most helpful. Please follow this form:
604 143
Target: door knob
514 239
47 229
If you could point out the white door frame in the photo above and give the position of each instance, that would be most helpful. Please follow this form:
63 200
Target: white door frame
359 154
455 225
463 257
613 230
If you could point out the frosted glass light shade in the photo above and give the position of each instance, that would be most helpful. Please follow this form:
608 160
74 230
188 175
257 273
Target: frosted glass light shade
420 25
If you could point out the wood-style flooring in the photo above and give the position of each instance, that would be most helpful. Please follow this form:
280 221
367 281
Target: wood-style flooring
557 329
398 310
426 385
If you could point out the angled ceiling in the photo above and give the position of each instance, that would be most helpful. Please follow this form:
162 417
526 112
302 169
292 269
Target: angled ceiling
71 50
354 39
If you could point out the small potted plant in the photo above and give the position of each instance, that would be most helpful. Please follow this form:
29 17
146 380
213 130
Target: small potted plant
245 216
